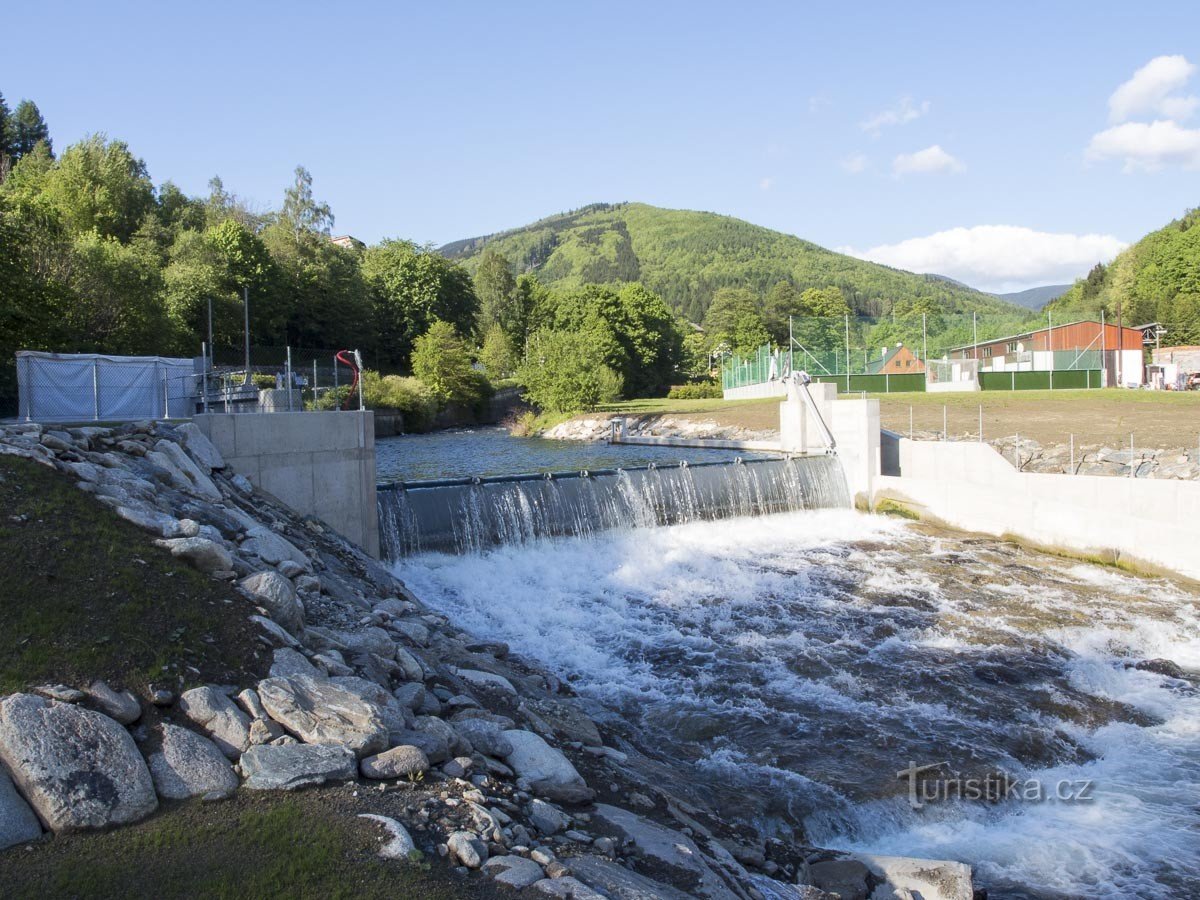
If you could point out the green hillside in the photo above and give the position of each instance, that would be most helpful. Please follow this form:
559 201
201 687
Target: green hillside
1155 280
686 256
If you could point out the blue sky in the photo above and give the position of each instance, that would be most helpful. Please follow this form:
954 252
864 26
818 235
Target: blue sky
877 128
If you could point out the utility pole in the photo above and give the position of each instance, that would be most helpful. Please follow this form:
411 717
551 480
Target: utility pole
246 326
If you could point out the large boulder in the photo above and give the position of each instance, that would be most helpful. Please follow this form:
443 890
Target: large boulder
320 712
189 765
18 823
547 770
932 879
184 473
514 871
399 762
77 768
617 881
399 842
484 736
220 718
201 449
122 706
271 590
200 553
273 549
286 768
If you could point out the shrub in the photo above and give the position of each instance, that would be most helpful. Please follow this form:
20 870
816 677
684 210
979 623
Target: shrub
565 372
701 390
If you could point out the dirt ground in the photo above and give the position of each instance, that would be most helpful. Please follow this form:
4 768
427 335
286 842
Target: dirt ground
1157 419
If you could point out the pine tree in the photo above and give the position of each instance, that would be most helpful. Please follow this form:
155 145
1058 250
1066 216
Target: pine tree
4 116
26 128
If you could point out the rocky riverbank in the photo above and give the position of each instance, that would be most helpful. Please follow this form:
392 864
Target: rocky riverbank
451 746
598 428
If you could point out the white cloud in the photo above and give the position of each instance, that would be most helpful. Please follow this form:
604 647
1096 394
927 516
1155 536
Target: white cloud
901 114
928 161
1150 91
818 102
1148 145
998 258
854 165
765 184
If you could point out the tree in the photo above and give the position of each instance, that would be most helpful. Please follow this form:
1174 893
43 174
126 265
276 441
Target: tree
5 150
783 301
440 359
733 318
496 289
565 372
496 354
410 287
301 213
98 185
26 129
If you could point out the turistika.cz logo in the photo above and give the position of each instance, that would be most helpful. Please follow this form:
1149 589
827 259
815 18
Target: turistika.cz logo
937 783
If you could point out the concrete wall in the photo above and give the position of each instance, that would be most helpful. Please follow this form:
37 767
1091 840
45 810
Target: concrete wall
776 388
1148 523
320 464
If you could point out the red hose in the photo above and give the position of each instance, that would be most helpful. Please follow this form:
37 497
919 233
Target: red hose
347 360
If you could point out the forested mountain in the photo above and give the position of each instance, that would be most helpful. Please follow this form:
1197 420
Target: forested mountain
1155 280
1038 297
686 256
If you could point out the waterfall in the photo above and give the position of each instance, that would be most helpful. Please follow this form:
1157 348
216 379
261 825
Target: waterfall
467 515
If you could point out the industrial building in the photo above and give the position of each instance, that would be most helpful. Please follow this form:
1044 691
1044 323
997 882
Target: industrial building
1115 350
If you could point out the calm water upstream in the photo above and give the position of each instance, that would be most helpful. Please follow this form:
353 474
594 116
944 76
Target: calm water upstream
788 666
492 451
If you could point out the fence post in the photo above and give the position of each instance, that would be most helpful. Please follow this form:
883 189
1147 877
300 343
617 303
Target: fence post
166 396
1013 380
95 390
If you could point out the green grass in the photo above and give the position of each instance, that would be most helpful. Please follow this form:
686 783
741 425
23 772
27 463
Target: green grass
1114 396
254 846
86 595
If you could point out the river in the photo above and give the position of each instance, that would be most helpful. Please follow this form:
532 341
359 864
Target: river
792 665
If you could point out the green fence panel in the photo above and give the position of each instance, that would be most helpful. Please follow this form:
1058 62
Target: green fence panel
1071 379
1031 381
1067 379
903 383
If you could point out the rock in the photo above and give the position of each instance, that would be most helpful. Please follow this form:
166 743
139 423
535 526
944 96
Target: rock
308 584
484 736
409 664
242 483
467 848
270 767
565 887
514 871
292 662
399 842
566 719
274 633
61 692
77 768
620 883
548 771
273 591
150 520
546 818
123 706
413 630
410 695
399 762
184 473
18 823
290 568
930 879
320 712
443 732
189 765
227 725
201 449
200 553
666 847
486 680
1163 667
273 549
845 877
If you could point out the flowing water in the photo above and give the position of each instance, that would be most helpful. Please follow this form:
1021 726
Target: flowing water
790 665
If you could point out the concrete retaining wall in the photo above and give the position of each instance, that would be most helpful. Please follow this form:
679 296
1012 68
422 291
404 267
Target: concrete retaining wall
319 464
1144 522
756 391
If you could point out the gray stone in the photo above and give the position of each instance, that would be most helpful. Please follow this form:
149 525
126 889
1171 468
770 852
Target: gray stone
399 762
410 695
61 692
201 553
189 765
287 661
399 843
845 877
320 712
18 823
409 664
201 449
274 633
413 630
546 818
443 732
290 568
274 592
484 736
184 473
242 483
220 718
620 883
77 768
567 888
122 706
547 770
514 871
150 520
467 848
273 549
931 879
486 680
285 768
667 847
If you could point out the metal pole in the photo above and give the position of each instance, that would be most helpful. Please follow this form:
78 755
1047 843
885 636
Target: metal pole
210 333
204 378
362 404
246 325
1050 343
95 390
314 386
289 378
847 353
975 335
166 396
1103 349
335 381
924 343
